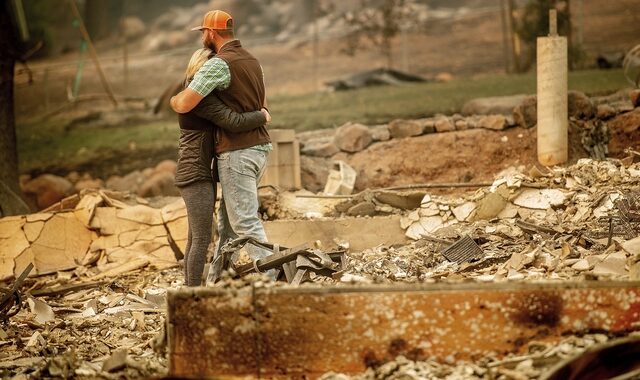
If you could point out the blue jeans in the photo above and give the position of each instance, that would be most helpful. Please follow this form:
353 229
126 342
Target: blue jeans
240 172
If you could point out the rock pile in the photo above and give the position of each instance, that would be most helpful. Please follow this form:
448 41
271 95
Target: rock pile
488 113
48 189
604 126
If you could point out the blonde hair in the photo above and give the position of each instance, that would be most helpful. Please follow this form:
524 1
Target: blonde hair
198 59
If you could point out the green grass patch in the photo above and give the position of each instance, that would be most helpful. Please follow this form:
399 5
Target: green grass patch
45 145
382 104
48 144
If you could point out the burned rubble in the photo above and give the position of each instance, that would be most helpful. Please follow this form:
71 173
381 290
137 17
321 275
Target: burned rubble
102 313
101 263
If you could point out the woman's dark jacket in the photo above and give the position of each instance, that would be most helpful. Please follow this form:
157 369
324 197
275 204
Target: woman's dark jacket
196 148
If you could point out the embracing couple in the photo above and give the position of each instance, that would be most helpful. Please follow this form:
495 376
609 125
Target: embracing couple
223 137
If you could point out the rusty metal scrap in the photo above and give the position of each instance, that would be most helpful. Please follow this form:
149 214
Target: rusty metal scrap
294 332
11 301
596 363
292 263
463 250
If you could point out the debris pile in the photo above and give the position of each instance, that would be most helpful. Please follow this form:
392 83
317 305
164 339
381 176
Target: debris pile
540 358
75 327
114 232
579 222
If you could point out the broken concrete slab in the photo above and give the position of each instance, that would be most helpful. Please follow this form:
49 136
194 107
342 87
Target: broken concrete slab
463 211
141 214
361 233
490 206
116 361
364 208
424 227
405 201
613 264
632 246
43 312
62 244
541 199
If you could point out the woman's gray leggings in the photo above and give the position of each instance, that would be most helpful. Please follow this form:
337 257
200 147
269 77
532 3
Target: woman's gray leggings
199 199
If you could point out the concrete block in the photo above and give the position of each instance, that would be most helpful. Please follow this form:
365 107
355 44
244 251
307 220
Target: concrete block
283 165
361 233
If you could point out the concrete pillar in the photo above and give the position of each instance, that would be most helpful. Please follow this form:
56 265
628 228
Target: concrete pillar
553 118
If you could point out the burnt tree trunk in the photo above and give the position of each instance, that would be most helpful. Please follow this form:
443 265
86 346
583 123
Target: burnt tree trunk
10 202
97 18
102 17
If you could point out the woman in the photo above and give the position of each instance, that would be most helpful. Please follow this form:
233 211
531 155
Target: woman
196 156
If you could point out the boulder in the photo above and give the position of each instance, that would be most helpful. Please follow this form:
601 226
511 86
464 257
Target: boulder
168 166
580 106
605 111
428 125
494 122
322 147
525 114
461 125
623 130
353 138
380 133
24 179
130 182
84 184
635 98
405 128
73 177
318 134
502 105
159 184
314 172
132 27
48 189
443 124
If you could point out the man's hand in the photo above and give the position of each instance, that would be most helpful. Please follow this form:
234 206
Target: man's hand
185 101
267 115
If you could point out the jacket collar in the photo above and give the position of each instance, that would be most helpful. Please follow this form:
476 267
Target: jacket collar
230 45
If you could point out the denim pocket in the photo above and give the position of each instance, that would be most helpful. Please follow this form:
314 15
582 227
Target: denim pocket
249 162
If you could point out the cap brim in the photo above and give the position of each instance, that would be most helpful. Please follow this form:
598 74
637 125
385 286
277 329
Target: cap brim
197 28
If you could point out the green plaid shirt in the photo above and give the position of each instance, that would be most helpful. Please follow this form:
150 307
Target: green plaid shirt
213 75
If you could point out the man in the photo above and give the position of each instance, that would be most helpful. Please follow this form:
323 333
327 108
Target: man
238 80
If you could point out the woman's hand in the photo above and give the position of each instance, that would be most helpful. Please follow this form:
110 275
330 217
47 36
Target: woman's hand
267 115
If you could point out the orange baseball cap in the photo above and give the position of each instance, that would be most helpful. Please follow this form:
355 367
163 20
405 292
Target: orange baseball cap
216 20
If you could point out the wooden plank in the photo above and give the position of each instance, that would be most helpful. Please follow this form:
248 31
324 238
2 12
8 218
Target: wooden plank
295 332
